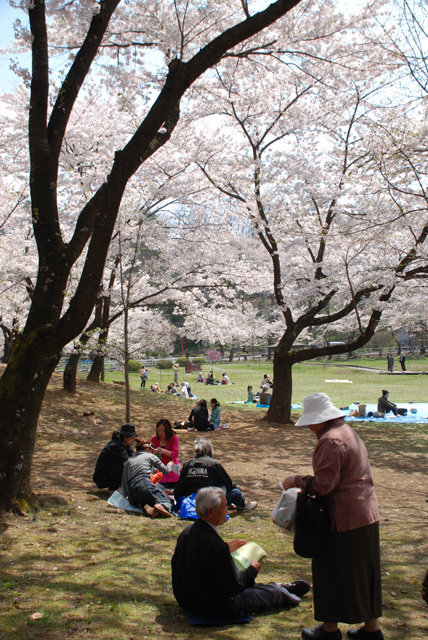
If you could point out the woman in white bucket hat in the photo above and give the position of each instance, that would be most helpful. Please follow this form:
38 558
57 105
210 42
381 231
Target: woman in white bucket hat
346 576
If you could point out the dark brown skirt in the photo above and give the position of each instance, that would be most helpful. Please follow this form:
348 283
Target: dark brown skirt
346 577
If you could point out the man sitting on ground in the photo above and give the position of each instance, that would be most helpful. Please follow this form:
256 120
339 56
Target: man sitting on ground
384 405
205 579
265 395
205 471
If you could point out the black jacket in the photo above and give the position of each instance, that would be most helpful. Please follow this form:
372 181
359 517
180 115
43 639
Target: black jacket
109 466
199 472
204 576
199 418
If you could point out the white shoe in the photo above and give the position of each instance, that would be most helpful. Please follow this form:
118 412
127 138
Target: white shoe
252 504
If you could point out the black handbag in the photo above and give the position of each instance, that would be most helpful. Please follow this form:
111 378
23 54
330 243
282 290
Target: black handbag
312 523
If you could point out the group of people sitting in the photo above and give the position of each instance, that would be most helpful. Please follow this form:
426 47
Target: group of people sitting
211 379
150 476
264 396
182 390
199 419
174 389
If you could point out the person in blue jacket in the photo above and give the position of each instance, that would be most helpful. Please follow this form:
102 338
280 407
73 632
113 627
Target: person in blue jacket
215 417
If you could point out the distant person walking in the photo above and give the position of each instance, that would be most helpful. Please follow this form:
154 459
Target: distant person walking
390 362
402 361
143 375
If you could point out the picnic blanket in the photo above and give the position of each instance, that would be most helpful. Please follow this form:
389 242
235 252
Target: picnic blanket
265 406
420 417
120 502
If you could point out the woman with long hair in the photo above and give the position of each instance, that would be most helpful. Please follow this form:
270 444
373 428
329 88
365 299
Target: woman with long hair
215 413
165 444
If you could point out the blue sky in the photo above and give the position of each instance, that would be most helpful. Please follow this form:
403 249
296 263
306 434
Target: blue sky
7 18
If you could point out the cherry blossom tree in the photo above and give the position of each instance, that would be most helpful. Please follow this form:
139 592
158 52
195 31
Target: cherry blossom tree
109 43
342 238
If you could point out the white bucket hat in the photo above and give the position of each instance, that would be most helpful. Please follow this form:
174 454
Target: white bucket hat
318 408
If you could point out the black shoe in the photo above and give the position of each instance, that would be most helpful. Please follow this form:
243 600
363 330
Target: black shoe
362 634
319 633
298 587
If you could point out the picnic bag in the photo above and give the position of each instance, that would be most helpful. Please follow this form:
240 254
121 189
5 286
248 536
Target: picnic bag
312 523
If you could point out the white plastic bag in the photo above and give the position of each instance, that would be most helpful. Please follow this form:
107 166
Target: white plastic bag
285 510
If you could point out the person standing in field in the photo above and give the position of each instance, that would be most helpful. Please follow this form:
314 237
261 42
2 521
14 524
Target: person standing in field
346 575
175 368
143 375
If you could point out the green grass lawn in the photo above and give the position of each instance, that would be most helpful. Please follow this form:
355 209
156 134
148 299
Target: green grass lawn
366 385
78 569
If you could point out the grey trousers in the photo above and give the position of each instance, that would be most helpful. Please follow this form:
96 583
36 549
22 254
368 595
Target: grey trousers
264 596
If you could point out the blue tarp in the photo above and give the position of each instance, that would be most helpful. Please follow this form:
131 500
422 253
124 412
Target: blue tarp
421 415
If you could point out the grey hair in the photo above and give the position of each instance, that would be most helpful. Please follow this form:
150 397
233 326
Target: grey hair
208 498
204 447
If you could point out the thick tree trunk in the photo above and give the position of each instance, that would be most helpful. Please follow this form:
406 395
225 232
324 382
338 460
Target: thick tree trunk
70 373
96 368
22 389
127 386
280 406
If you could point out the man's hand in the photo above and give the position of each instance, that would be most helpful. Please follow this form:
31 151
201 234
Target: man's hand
235 544
256 565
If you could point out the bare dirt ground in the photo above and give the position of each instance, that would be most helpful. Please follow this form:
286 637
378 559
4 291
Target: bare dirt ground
55 560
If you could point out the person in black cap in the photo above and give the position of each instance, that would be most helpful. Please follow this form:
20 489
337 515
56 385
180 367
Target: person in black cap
110 463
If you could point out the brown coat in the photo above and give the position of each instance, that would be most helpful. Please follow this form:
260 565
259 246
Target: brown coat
342 474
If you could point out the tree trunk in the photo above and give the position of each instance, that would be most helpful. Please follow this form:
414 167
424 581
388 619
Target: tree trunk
126 342
22 390
70 373
9 340
280 405
96 369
